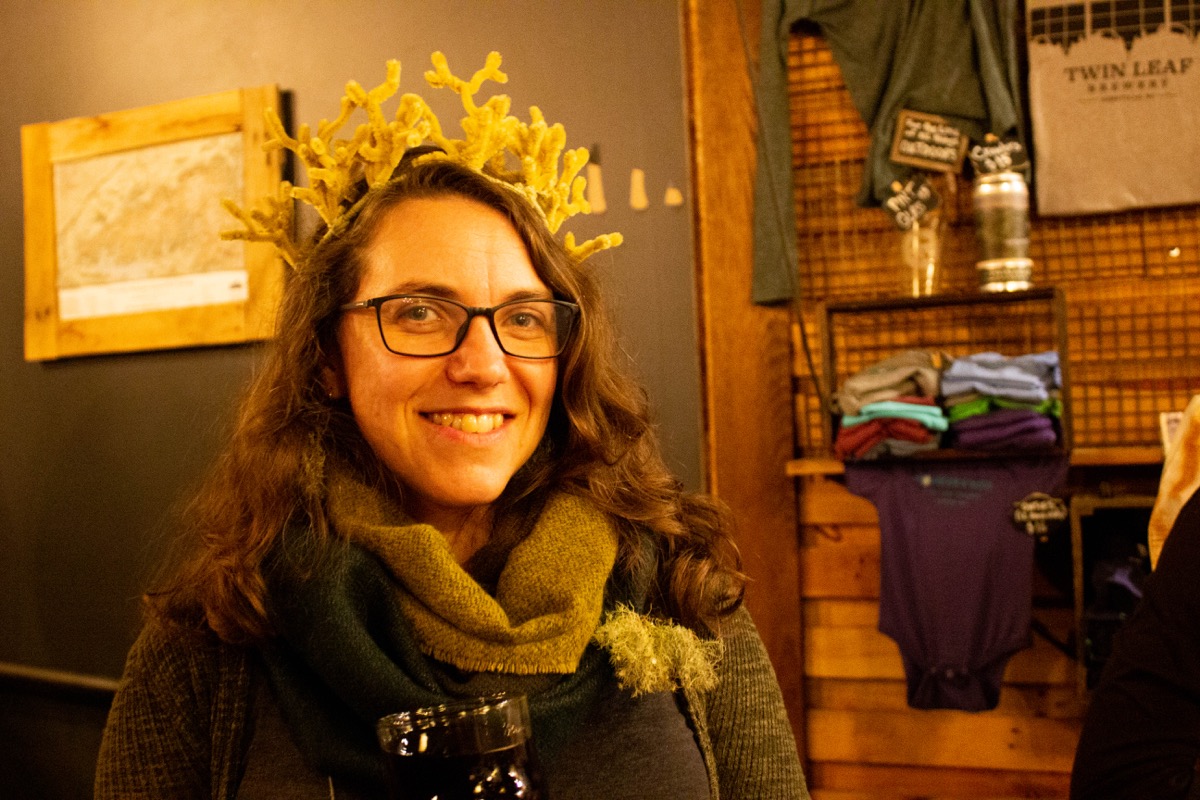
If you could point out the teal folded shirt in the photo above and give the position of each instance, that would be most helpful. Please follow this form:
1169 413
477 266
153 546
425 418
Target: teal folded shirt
929 416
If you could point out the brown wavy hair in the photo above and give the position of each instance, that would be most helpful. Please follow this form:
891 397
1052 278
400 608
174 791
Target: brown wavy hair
599 442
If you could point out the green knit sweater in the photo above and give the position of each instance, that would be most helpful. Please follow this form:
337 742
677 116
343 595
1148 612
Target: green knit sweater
180 725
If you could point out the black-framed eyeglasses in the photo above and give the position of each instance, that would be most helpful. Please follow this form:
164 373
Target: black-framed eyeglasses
425 326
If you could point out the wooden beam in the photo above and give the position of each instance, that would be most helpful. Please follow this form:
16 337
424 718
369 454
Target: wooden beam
943 739
746 357
925 782
865 653
1016 699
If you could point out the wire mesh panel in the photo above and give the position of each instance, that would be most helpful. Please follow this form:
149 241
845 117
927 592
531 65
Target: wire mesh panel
1171 243
1131 280
848 252
1138 355
844 248
860 335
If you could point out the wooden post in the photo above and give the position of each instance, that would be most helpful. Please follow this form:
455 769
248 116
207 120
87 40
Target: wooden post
746 355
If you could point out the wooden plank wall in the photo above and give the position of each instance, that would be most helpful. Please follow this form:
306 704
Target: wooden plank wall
864 741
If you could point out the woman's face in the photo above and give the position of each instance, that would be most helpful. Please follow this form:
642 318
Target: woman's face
412 410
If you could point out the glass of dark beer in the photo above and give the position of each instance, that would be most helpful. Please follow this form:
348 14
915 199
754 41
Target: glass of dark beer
480 749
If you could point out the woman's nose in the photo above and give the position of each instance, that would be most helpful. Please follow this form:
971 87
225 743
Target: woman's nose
479 358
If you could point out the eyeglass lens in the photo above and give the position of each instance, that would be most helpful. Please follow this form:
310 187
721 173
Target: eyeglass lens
429 326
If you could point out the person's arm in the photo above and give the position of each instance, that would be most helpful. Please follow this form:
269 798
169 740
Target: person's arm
158 741
752 740
1141 736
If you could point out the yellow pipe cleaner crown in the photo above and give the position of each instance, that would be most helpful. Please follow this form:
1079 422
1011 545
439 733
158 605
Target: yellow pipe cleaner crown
491 139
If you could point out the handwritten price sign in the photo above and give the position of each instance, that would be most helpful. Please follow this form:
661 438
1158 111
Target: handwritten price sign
997 155
911 200
927 141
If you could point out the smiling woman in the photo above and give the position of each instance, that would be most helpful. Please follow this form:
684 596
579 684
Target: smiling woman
457 494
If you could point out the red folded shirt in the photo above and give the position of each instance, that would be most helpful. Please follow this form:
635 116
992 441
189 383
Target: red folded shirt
856 440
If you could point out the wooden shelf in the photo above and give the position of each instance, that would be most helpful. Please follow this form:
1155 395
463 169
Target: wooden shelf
1115 456
802 467
1080 457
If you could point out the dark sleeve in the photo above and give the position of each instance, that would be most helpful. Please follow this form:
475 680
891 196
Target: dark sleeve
171 721
774 213
752 740
1141 735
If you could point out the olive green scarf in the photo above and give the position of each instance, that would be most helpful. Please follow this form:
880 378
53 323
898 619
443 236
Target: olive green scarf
547 601
356 634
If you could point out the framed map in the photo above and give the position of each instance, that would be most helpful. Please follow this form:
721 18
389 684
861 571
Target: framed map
122 228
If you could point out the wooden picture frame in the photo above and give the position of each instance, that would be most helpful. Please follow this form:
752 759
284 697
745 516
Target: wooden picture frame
97 192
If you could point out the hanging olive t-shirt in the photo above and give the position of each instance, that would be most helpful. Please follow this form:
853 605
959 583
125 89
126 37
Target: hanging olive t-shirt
953 58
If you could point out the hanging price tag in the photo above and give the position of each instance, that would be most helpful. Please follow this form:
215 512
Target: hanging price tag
927 141
1038 512
910 201
997 155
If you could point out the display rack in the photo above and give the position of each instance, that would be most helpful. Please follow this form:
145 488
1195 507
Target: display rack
859 334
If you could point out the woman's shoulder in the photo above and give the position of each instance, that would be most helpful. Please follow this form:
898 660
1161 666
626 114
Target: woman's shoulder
746 680
746 720
179 653
740 641
178 714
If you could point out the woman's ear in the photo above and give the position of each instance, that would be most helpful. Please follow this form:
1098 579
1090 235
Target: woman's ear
333 376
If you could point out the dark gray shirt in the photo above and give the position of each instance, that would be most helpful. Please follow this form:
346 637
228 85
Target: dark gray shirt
648 736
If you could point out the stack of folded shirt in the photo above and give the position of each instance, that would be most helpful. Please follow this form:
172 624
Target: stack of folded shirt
913 373
890 407
995 402
899 427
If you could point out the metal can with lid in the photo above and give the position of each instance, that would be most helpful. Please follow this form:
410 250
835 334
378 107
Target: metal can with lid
1005 274
1001 203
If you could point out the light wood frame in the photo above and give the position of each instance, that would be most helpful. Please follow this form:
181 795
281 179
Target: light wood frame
43 145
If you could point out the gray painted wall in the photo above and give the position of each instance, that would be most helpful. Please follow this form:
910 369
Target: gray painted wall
98 450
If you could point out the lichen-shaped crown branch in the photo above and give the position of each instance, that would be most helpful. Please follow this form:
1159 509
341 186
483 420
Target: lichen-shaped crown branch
525 156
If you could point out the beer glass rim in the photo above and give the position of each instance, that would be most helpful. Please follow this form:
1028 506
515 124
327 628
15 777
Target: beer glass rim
465 707
486 722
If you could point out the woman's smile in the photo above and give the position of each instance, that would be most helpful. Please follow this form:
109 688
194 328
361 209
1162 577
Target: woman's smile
467 422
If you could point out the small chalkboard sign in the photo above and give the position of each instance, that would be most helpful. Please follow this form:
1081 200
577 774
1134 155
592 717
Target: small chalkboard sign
910 201
1037 512
927 141
994 155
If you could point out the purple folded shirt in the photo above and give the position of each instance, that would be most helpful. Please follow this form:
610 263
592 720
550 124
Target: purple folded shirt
1010 427
1000 418
1044 437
